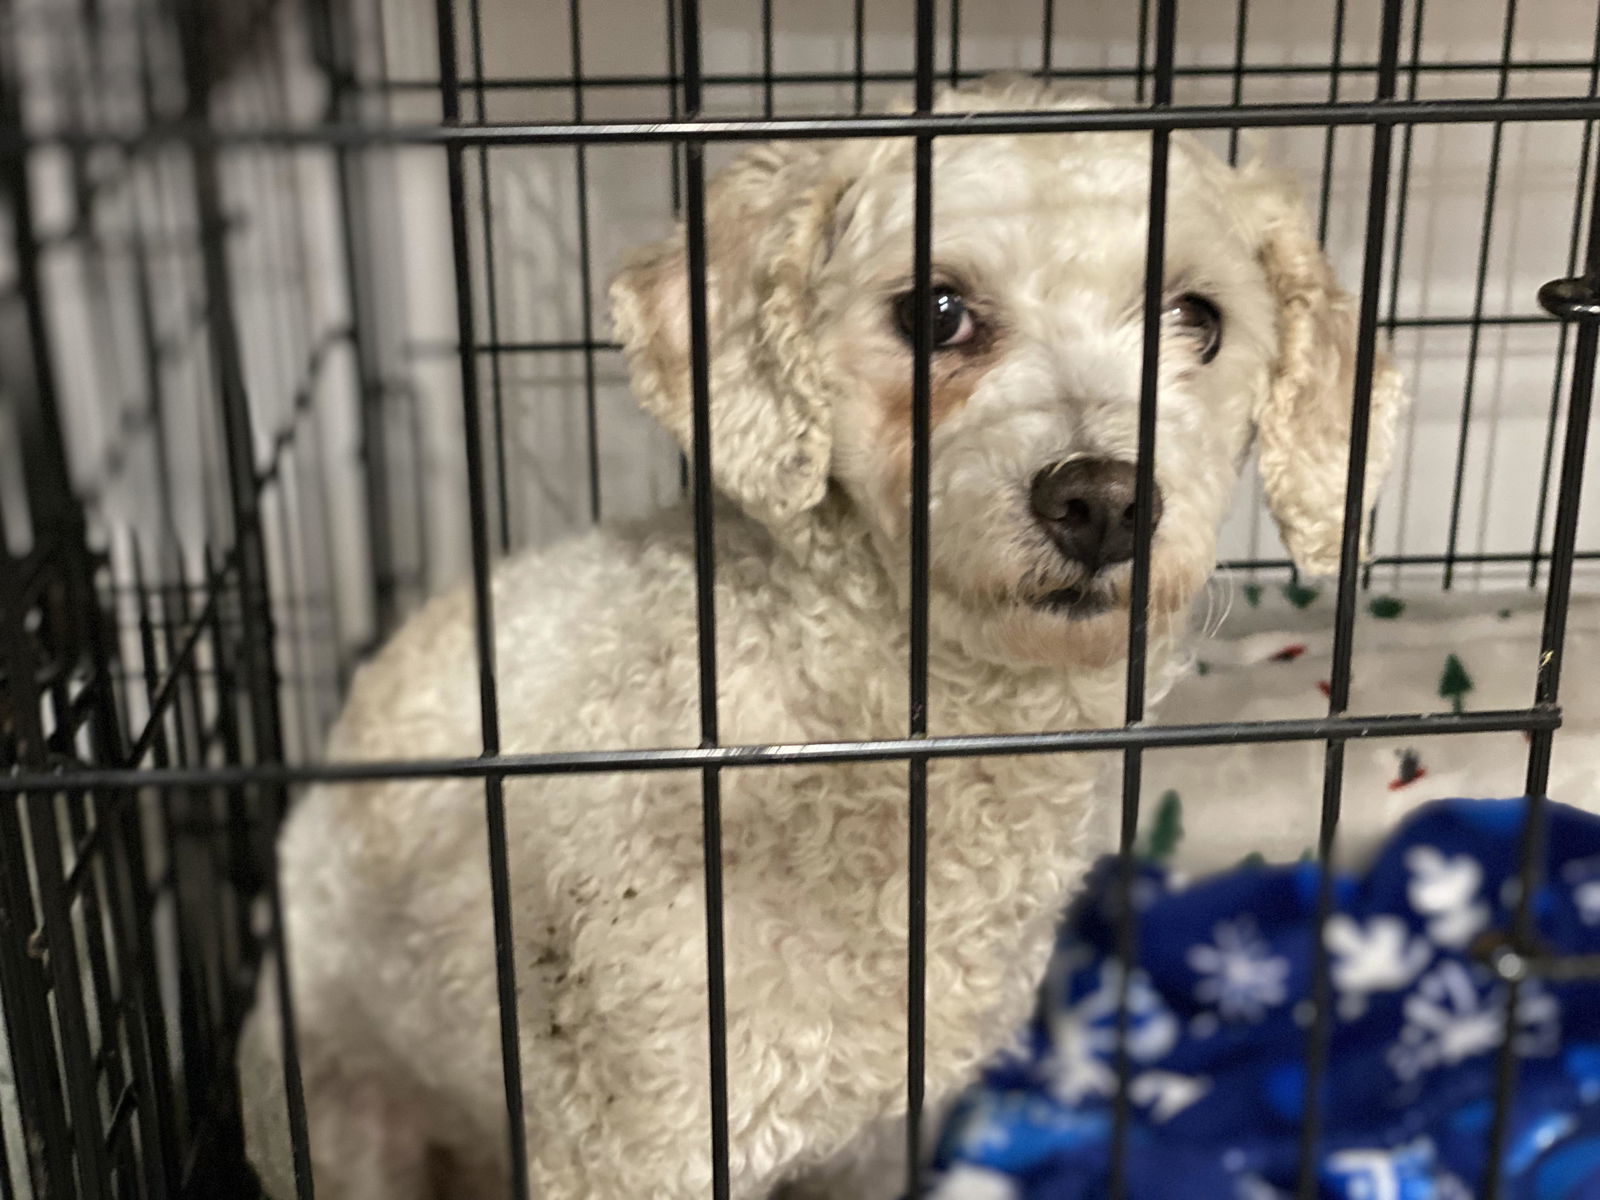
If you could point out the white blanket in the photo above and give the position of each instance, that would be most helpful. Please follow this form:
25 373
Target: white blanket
1272 659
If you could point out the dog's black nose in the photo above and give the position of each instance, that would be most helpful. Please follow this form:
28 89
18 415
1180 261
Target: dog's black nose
1087 507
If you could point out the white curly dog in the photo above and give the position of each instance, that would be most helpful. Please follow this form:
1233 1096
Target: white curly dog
1039 262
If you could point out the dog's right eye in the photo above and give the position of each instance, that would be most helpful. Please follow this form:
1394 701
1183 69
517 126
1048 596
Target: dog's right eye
951 320
1199 318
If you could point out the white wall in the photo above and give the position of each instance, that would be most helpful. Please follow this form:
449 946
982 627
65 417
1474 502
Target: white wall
536 242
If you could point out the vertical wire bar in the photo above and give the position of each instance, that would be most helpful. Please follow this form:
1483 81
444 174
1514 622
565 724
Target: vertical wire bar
917 765
676 153
705 564
23 981
132 916
955 42
1047 40
491 289
766 59
94 921
72 1019
191 985
56 519
483 614
283 246
352 219
126 904
1335 76
193 746
256 627
1547 464
1403 200
1139 584
158 1111
156 396
1480 286
1241 33
317 344
65 957
1317 1046
204 802
1142 41
8 1189
27 1013
420 571
591 414
859 60
1546 692
1402 206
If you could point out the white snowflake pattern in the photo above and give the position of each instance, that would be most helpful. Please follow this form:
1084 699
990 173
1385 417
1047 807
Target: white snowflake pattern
1379 956
1084 1037
1241 975
1165 1093
1084 1033
985 1127
1587 897
966 1182
1584 877
1383 1173
1444 891
1457 1013
1253 1187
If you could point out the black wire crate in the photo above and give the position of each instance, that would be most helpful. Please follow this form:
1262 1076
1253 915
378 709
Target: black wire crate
303 319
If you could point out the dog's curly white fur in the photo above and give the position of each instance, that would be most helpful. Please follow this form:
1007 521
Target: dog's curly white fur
386 885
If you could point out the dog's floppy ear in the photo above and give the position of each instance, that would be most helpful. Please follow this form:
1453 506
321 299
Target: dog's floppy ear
768 216
1303 420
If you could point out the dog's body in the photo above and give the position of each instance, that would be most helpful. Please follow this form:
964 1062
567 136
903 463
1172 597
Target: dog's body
388 888
386 885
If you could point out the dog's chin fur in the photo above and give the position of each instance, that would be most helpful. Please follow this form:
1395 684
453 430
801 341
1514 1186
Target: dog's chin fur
1028 635
1066 621
386 887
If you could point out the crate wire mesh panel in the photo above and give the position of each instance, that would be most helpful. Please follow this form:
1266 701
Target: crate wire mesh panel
301 318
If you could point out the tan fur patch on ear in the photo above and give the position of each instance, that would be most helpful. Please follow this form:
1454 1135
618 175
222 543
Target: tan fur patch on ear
1303 422
767 219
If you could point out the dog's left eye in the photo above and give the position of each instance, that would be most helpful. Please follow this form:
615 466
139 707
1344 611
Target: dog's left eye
952 322
1200 319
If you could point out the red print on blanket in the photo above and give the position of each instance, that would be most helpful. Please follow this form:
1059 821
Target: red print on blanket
1290 653
1411 770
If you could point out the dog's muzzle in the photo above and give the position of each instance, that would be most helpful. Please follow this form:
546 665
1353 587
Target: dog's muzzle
1086 507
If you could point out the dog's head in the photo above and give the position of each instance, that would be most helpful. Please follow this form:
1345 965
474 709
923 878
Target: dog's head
1038 268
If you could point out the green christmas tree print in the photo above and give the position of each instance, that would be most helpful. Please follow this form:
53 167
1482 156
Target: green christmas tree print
1386 608
1299 595
1167 831
1455 683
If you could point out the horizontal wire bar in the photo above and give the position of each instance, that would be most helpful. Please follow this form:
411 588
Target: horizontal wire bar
755 129
839 78
1523 557
1511 964
593 762
442 349
1468 321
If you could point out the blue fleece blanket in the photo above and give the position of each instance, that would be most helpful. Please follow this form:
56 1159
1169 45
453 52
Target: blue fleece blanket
1218 1020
